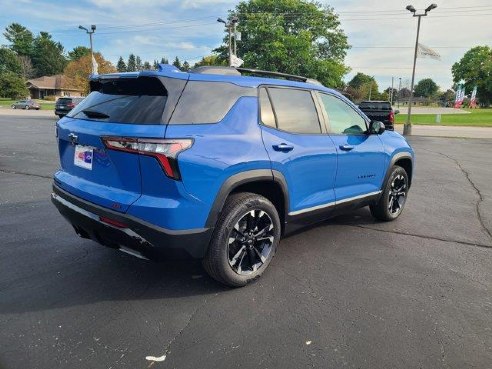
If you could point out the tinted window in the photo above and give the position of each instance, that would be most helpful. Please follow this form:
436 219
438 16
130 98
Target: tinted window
295 110
267 116
375 105
207 102
342 118
64 101
140 101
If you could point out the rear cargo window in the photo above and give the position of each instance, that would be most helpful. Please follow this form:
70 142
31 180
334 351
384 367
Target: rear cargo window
375 105
207 102
64 101
139 101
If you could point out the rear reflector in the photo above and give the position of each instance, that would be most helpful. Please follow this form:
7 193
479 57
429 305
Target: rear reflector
164 151
113 222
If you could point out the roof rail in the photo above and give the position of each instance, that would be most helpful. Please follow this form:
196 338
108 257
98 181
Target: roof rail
262 73
216 69
290 77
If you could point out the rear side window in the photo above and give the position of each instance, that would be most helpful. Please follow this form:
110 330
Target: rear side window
295 110
267 116
139 101
207 102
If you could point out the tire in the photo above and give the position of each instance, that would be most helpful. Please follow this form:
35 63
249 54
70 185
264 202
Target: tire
26 107
13 107
245 240
394 196
61 116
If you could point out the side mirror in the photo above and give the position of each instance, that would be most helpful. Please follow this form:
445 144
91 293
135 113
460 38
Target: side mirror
397 112
376 127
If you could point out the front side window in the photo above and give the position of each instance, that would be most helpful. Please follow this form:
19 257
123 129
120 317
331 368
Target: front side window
342 118
295 110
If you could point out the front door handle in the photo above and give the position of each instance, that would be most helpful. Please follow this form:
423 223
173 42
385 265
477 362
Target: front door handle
283 147
346 147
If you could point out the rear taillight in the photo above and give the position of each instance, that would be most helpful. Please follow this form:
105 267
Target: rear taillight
392 117
165 151
71 105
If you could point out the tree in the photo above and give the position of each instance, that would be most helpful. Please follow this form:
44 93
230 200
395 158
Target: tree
364 86
213 59
475 68
177 63
447 98
361 79
121 66
78 52
78 71
9 61
20 38
138 63
47 57
147 66
164 61
27 70
132 64
12 86
426 88
291 36
185 67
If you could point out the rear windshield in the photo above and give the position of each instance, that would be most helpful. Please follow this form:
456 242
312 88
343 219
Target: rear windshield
375 105
139 101
63 101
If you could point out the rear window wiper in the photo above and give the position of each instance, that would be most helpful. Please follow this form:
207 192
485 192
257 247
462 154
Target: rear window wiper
95 114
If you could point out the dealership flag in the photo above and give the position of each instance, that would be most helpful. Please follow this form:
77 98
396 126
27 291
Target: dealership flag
473 98
427 52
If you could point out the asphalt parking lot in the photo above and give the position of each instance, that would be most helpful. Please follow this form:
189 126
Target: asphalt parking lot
415 293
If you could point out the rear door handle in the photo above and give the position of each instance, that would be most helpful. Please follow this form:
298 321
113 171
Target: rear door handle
346 147
283 147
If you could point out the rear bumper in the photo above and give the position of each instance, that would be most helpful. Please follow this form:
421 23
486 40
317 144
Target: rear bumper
62 111
129 233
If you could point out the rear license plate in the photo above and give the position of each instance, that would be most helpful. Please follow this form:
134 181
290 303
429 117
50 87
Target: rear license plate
83 156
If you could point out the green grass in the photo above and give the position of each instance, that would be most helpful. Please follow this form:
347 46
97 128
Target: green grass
476 118
45 105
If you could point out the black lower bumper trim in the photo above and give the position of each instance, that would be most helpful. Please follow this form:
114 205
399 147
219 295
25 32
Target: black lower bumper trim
149 241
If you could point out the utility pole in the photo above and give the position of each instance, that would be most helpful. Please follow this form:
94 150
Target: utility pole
230 26
399 92
93 29
391 96
407 128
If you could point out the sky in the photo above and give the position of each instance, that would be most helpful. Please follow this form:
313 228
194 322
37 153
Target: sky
381 33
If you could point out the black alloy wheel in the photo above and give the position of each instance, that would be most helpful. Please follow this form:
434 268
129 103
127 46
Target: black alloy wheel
397 194
250 242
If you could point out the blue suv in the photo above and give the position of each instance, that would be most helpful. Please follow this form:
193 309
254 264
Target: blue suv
219 164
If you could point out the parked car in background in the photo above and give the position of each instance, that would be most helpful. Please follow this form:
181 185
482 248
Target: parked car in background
218 166
380 111
26 105
65 104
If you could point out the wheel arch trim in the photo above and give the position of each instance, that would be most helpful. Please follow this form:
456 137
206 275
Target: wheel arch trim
236 180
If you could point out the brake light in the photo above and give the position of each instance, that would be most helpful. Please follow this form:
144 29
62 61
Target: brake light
392 117
165 151
71 105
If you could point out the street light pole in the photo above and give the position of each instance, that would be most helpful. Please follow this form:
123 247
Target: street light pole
230 26
407 128
93 29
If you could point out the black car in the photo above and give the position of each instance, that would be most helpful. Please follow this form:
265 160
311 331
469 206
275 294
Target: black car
380 111
65 104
